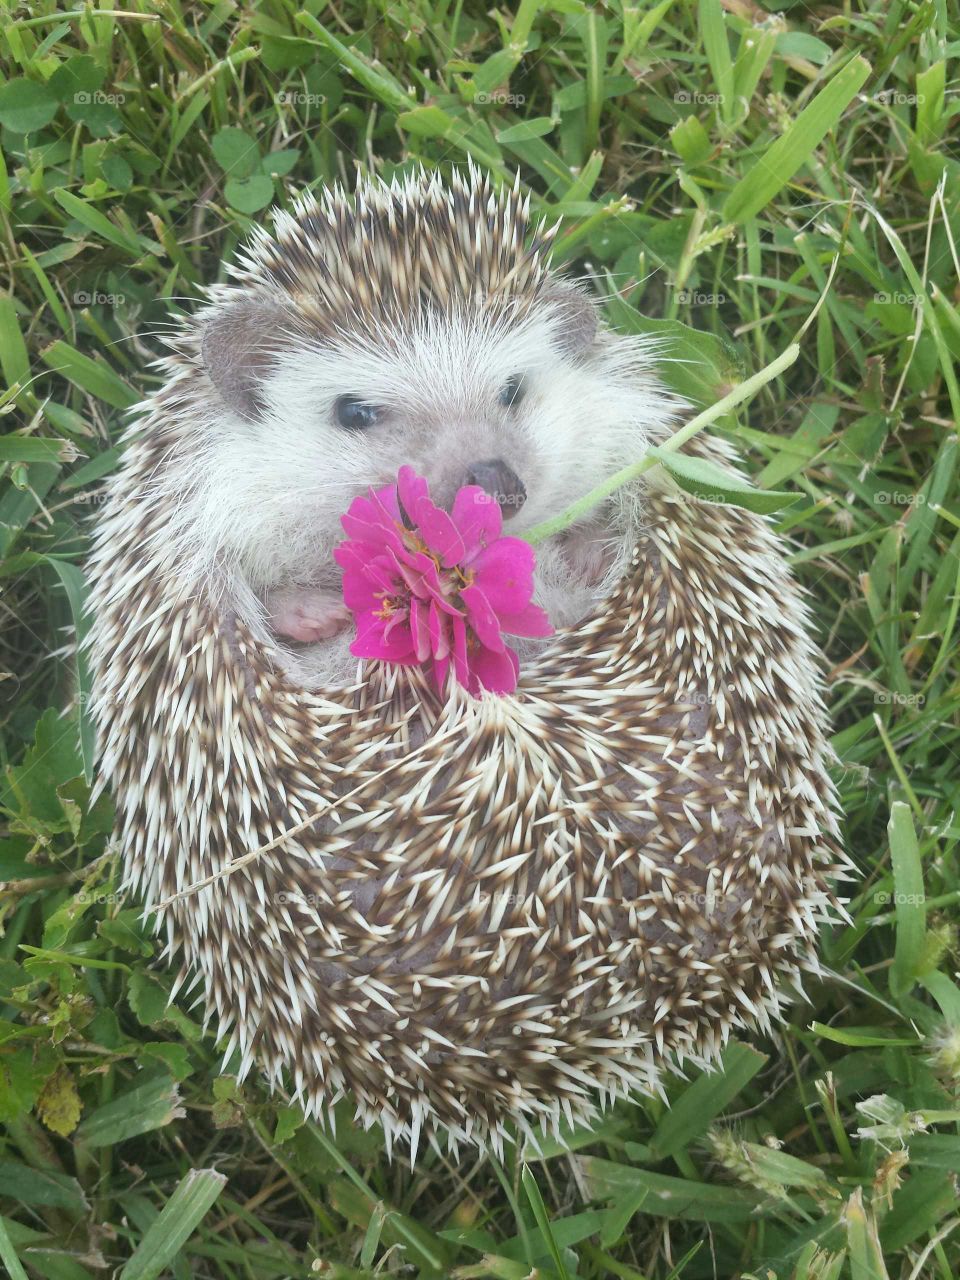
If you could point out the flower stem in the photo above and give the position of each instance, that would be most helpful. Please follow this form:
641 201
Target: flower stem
743 391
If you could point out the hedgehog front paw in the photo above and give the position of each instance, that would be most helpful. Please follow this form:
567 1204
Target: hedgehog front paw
307 614
587 549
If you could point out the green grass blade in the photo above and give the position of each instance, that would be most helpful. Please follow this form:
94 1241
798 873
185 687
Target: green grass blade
8 1256
716 45
93 376
690 1116
543 1221
909 901
774 169
178 1220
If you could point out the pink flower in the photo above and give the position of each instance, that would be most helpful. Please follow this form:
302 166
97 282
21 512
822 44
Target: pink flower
428 586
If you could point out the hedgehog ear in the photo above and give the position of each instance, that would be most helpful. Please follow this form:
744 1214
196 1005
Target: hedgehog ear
238 346
576 313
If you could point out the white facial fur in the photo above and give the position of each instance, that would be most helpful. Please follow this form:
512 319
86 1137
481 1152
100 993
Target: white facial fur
264 504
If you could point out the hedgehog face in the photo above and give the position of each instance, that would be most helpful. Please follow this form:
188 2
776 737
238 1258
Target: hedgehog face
414 323
303 423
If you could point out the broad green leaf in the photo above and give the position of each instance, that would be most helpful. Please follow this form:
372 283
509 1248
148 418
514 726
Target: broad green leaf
375 80
691 141
249 195
237 153
699 366
100 465
59 1103
371 1239
801 44
925 1200
771 1165
710 483
78 75
26 105
594 34
426 122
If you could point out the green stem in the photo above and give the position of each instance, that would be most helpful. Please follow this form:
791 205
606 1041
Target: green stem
744 391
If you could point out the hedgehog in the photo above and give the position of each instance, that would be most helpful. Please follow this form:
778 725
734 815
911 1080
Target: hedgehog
476 918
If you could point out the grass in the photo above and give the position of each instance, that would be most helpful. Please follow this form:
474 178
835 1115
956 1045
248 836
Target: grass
718 171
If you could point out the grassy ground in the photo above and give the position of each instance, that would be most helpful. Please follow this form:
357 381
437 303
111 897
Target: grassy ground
714 166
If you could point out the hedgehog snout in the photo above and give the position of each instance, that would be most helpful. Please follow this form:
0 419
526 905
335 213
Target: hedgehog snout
500 481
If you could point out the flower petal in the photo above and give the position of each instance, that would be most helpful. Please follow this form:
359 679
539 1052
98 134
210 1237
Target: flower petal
374 518
497 672
419 572
531 621
399 579
368 575
372 642
482 618
505 572
420 629
439 633
478 518
439 533
410 489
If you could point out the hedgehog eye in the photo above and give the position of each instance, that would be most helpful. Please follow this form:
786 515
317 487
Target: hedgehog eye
354 414
513 391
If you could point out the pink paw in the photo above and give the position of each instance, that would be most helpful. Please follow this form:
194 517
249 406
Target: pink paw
588 551
307 614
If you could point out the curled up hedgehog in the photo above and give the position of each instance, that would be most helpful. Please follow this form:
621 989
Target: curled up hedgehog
473 916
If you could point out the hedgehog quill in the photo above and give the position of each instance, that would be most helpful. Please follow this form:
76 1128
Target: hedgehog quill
476 917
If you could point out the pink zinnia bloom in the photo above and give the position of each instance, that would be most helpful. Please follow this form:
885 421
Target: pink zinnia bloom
428 586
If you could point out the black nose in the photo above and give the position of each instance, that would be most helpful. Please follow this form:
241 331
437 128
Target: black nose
500 481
